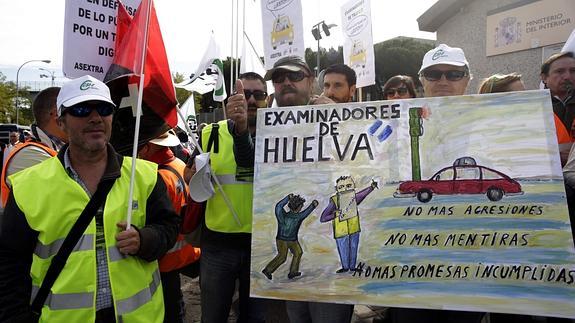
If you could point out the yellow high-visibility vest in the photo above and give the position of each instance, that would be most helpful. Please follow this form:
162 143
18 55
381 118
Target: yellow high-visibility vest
240 193
52 202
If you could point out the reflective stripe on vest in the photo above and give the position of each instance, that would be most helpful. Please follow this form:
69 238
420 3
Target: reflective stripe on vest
178 245
133 281
231 180
43 251
86 300
114 254
69 301
142 297
218 217
4 189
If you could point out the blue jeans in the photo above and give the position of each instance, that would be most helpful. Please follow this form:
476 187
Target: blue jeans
220 267
308 312
347 249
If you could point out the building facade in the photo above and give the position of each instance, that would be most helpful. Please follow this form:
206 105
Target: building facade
502 36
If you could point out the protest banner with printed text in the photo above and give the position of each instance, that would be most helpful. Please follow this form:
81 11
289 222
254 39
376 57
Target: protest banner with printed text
358 41
89 36
440 203
282 29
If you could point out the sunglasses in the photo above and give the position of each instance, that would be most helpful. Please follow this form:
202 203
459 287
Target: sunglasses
399 91
279 77
435 75
258 94
82 111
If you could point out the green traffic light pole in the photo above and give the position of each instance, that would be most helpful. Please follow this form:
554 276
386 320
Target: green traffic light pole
415 131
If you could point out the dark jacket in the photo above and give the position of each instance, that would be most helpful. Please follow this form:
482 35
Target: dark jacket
18 240
565 110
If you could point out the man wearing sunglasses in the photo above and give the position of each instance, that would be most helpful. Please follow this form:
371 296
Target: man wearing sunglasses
293 82
444 72
254 97
111 266
226 246
339 83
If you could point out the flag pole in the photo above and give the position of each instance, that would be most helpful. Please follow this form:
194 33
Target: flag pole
214 178
231 55
138 115
237 35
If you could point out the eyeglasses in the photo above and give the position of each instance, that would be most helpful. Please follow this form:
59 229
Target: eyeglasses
258 94
452 75
400 91
280 76
82 111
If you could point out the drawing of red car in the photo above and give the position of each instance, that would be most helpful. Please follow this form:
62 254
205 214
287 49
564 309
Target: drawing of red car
463 177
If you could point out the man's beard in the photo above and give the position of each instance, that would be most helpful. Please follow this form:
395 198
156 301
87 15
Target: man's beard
297 99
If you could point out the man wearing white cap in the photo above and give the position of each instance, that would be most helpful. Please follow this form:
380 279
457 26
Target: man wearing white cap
77 202
444 72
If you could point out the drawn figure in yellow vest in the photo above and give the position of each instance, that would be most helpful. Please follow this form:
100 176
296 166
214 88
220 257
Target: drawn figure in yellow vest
289 223
342 210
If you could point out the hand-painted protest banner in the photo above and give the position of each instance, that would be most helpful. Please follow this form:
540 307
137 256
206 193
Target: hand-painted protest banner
282 29
358 42
89 35
445 203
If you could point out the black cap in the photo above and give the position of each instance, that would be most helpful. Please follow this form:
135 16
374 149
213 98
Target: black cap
290 63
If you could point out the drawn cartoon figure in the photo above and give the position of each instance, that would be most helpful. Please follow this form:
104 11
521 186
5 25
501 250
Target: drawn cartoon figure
289 223
342 210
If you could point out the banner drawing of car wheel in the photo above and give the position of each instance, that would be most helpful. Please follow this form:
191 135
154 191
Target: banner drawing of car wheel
494 194
424 196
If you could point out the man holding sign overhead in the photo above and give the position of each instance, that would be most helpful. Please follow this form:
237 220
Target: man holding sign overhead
59 205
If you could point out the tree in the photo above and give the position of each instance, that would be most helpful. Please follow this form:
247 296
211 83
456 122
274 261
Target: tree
7 103
399 56
7 95
326 57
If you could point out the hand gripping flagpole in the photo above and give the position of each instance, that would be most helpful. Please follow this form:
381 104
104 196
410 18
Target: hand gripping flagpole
138 113
199 148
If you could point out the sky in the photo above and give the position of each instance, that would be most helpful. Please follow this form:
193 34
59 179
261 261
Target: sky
33 29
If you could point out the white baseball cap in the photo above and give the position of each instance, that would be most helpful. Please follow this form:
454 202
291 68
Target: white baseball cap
82 89
201 187
444 54
167 139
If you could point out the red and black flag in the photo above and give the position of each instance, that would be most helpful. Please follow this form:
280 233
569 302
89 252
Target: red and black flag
159 98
